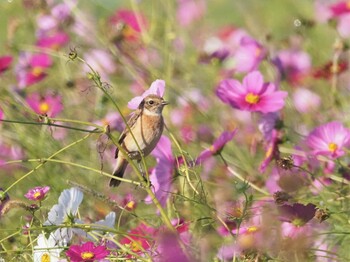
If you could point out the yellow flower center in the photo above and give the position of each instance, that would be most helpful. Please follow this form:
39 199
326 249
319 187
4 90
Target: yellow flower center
298 222
105 122
348 5
246 241
55 47
252 229
37 71
334 68
332 147
128 31
136 245
87 255
37 195
269 151
252 98
130 204
211 148
45 258
44 107
258 52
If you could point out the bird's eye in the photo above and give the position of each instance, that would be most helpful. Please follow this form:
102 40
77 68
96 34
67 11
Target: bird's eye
151 102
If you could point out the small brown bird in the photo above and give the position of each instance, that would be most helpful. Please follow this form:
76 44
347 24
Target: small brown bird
146 124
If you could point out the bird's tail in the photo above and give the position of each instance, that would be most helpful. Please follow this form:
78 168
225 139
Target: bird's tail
118 171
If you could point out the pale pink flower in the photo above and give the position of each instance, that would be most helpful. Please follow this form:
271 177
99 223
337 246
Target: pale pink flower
189 11
306 101
156 88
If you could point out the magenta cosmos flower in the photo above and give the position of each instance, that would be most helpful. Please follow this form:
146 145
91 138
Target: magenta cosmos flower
140 239
37 193
5 62
156 88
248 56
161 176
45 105
252 95
54 41
32 68
340 8
86 252
217 146
329 139
133 23
293 64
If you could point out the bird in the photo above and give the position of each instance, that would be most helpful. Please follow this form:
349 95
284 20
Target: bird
146 125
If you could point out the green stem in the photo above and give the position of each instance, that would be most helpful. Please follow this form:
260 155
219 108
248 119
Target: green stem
246 181
74 164
52 156
184 160
51 124
76 122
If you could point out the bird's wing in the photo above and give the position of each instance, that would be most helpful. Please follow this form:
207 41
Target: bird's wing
130 123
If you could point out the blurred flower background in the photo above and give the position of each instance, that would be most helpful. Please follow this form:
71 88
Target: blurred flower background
253 164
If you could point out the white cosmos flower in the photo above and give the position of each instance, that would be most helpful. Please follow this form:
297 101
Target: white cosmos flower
106 223
64 213
47 249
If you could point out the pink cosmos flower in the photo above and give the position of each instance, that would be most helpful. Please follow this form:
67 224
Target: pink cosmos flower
293 64
267 125
37 193
49 105
9 152
225 43
295 217
114 120
86 252
306 101
32 68
343 25
340 8
339 11
157 88
162 174
140 239
252 95
101 61
217 146
45 24
329 140
54 41
322 12
129 202
5 62
63 11
132 22
169 248
189 11
248 56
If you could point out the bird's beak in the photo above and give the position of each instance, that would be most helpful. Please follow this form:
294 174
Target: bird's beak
164 103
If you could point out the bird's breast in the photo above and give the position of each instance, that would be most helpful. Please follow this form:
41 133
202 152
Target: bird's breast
147 132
